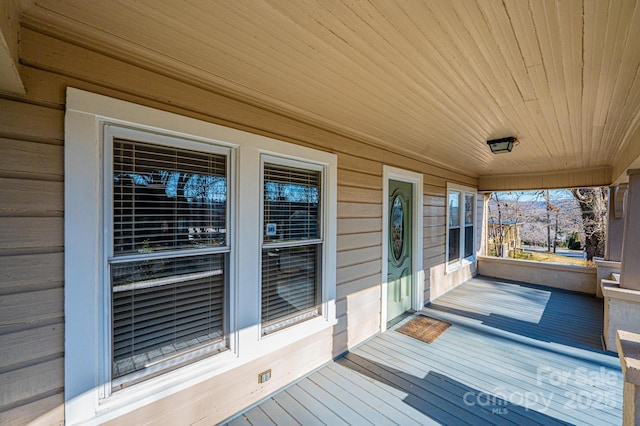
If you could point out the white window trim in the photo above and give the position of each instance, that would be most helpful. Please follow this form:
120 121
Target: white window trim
320 240
110 133
84 229
417 281
463 261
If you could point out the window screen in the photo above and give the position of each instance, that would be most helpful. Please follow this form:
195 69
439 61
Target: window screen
292 245
166 303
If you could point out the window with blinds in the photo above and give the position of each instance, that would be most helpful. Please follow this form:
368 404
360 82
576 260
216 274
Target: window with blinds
291 245
454 226
169 259
469 201
460 225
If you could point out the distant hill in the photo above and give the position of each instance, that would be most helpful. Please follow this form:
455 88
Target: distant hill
532 214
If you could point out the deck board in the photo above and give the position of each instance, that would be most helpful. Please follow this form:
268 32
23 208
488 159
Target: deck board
340 408
317 408
276 413
515 354
368 396
386 395
298 411
257 417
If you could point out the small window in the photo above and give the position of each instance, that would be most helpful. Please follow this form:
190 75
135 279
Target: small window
460 224
168 257
469 201
291 244
454 226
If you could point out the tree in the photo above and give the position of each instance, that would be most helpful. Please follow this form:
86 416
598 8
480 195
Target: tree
593 206
497 233
574 242
549 206
543 218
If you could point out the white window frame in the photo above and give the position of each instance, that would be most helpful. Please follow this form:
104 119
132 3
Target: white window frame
270 159
85 228
111 132
462 261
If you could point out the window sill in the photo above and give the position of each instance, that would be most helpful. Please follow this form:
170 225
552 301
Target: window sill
157 388
138 395
451 268
280 338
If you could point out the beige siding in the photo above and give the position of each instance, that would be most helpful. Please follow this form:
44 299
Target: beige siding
359 255
31 262
234 390
31 232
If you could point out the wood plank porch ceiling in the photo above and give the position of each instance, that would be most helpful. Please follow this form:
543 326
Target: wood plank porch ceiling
433 79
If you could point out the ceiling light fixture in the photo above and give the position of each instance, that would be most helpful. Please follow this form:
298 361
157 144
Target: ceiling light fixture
500 146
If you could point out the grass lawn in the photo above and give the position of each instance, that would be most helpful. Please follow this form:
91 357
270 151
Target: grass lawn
550 257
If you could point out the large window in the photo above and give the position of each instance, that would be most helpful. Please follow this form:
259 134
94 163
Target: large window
169 278
291 245
167 253
460 225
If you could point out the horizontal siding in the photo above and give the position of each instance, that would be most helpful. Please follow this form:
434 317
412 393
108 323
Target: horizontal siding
358 179
358 225
25 159
359 255
31 262
350 273
359 164
354 257
22 197
359 195
357 285
353 241
18 384
31 230
25 121
30 345
42 410
428 221
356 210
19 234
433 231
28 308
19 273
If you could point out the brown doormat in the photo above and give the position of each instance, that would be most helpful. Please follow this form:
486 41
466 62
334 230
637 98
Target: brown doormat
424 328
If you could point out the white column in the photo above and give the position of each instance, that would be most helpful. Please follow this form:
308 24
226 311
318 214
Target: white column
630 268
615 223
628 345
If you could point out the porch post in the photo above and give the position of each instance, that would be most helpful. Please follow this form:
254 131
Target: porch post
484 243
615 225
628 345
630 267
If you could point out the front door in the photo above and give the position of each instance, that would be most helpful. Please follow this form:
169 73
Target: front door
399 248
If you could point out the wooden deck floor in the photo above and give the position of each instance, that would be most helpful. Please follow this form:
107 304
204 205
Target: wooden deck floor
515 354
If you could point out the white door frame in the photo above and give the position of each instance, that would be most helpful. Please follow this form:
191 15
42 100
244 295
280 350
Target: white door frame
417 273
